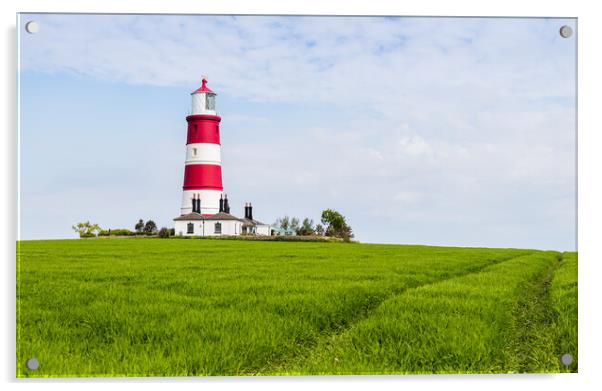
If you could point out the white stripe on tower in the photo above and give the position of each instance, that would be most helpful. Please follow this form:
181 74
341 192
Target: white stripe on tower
203 153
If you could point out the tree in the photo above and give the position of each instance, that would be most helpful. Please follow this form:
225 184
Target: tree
294 224
86 229
283 223
164 233
307 227
336 225
139 226
319 229
150 227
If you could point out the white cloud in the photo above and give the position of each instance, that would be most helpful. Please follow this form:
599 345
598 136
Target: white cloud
408 197
414 146
335 60
450 116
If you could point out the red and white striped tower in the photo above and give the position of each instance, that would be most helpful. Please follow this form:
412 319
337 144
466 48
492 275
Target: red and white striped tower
203 170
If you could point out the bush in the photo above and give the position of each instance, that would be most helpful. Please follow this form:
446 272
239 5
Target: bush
86 229
122 232
164 233
139 226
172 232
336 225
150 227
307 228
116 232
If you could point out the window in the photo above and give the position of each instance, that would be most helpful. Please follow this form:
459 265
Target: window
193 151
190 228
210 102
218 228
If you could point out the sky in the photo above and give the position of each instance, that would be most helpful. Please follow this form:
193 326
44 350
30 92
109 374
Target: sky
438 131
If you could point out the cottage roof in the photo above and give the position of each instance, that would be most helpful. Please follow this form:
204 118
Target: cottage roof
198 216
251 223
222 216
190 216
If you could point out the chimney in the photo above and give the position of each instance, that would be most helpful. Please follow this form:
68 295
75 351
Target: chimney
221 203
226 205
250 211
196 203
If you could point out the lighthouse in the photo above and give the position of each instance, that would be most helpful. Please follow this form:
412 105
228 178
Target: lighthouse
202 188
205 209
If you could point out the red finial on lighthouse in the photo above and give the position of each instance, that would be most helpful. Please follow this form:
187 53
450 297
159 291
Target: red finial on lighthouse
203 87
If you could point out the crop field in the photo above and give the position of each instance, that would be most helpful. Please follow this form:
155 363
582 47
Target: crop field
153 307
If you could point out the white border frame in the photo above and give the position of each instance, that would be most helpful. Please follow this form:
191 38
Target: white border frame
590 187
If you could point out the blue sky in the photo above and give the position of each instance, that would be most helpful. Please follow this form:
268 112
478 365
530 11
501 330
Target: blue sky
446 131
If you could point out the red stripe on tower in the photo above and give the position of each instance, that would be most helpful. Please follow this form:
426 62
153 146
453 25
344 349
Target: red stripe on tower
203 129
203 176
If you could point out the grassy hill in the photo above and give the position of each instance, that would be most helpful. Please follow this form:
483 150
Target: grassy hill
150 307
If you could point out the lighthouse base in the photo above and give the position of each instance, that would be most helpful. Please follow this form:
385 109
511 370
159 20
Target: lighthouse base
209 201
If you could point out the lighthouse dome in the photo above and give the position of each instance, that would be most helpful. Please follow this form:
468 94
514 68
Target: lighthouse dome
203 100
203 87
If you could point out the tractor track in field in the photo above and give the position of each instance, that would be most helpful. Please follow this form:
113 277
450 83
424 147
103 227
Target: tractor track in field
530 347
280 365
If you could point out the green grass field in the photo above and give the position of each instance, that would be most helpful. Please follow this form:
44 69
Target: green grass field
152 307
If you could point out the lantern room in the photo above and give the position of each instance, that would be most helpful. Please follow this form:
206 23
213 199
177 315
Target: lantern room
203 100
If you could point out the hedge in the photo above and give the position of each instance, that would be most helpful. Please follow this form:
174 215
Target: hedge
116 232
